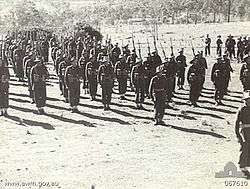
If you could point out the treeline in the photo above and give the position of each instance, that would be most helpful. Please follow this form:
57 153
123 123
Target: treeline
59 14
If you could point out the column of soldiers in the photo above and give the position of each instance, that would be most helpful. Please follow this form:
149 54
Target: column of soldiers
86 61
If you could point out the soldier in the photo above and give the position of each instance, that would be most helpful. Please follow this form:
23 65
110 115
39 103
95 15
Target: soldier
149 72
181 65
82 66
38 76
240 50
45 50
219 78
131 62
121 72
79 48
228 70
61 74
245 73
196 78
27 69
106 79
72 82
91 79
157 89
138 75
71 47
4 89
18 62
207 45
219 45
230 46
115 53
242 130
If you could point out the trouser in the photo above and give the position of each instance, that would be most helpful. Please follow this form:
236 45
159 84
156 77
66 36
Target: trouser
40 96
65 91
219 94
181 77
159 105
74 95
147 83
106 93
122 85
207 50
195 92
4 98
92 86
219 51
30 89
139 93
245 155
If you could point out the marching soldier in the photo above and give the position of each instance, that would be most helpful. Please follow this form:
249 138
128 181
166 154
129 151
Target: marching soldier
138 75
72 82
228 70
131 62
157 89
245 73
121 72
106 79
27 69
230 46
242 130
196 78
218 77
18 62
4 88
149 71
181 61
91 79
240 50
79 48
61 74
38 76
72 47
45 50
82 66
115 53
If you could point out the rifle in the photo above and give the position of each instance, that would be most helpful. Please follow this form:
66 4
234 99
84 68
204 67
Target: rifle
155 44
139 49
148 47
163 51
171 47
133 41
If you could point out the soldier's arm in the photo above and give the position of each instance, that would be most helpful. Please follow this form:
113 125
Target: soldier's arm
132 76
31 76
86 72
66 77
241 71
212 73
150 88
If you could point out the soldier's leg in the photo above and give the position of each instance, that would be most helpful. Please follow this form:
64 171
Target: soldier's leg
104 95
142 97
137 96
109 95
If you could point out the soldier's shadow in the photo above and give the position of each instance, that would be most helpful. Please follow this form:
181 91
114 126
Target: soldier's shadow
197 131
27 122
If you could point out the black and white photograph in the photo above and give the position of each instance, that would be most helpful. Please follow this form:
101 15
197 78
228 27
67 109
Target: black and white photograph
124 94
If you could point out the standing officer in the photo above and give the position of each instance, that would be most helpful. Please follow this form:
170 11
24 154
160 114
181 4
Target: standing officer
242 130
157 90
4 88
196 78
245 73
138 75
72 83
121 72
219 45
207 45
218 77
38 76
106 79
181 65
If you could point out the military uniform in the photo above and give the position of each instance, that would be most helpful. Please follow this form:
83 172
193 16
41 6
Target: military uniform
18 62
72 82
4 89
91 79
82 66
207 46
219 78
245 74
38 76
219 44
138 77
196 78
28 66
181 65
62 85
242 129
106 79
121 72
157 89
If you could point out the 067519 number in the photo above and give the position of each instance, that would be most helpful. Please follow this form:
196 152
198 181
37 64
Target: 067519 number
236 183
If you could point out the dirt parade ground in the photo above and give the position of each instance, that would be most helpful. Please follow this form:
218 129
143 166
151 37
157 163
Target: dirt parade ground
121 148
